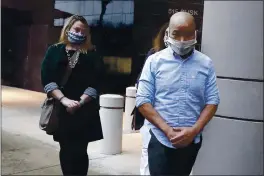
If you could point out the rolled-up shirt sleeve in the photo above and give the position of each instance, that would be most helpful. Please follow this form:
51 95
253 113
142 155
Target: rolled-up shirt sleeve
91 92
146 84
50 87
211 88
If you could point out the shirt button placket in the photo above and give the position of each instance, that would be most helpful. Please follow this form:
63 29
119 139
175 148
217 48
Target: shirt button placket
182 92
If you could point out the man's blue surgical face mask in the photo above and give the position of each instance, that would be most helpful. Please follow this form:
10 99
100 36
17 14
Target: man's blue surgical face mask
182 47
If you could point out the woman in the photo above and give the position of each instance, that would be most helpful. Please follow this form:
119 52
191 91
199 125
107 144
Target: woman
78 112
159 43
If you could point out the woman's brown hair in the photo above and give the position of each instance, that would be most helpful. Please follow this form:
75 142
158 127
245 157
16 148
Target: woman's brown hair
158 42
87 45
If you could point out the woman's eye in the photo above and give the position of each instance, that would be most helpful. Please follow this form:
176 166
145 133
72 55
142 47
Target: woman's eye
77 30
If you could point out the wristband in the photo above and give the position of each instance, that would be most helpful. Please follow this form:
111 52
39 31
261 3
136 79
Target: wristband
61 98
81 102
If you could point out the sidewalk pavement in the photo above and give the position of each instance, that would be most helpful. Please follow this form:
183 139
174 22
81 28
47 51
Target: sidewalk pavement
20 116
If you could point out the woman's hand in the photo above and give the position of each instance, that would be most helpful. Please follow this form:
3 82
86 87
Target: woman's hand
72 110
71 105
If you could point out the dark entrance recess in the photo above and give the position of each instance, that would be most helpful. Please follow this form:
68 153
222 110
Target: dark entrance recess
149 16
115 45
129 44
15 30
25 34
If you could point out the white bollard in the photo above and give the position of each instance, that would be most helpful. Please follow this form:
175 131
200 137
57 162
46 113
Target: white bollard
129 106
111 115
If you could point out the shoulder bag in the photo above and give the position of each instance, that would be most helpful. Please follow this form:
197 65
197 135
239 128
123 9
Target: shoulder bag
138 118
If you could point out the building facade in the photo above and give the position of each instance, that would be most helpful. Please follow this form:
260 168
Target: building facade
233 38
131 26
122 31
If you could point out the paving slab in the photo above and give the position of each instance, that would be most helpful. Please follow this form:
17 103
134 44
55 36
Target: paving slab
21 154
20 116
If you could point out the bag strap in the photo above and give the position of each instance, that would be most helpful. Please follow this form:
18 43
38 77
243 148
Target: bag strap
133 111
139 75
68 71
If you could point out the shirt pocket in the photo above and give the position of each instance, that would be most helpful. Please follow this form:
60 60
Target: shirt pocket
161 82
169 85
196 84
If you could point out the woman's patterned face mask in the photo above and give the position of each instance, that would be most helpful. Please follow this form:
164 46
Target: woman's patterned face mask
76 38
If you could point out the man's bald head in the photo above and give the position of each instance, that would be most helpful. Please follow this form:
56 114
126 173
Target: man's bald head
182 24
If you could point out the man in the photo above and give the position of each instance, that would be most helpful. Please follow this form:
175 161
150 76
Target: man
178 96
159 43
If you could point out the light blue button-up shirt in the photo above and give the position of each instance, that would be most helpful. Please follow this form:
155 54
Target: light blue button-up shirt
177 88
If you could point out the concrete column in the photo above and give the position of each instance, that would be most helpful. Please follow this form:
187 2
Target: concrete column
233 39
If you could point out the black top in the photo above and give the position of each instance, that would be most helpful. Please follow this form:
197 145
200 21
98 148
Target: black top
85 123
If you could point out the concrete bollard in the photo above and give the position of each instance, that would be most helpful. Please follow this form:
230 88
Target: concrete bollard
111 115
129 106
